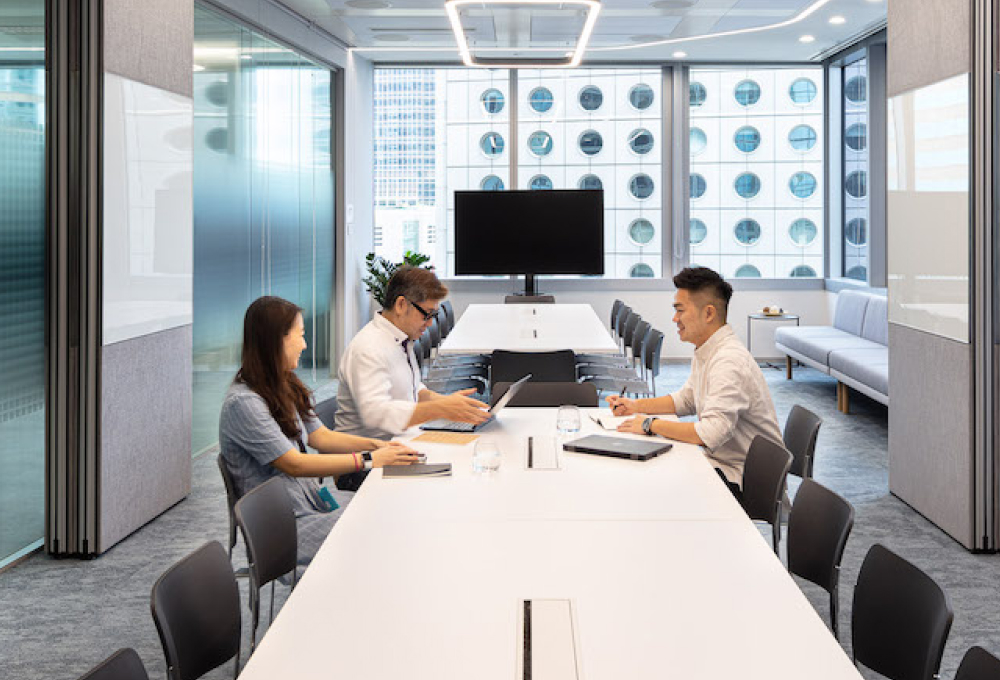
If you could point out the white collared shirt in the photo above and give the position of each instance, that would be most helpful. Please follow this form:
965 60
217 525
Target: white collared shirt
728 393
379 382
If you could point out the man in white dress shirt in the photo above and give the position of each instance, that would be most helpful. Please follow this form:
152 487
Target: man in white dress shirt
380 393
726 389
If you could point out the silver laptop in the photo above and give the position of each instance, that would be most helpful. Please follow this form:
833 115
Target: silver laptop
454 426
619 447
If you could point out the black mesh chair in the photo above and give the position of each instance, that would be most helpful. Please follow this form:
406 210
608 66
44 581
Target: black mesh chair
529 300
801 431
557 366
196 608
124 664
544 394
818 527
764 476
978 664
267 521
900 618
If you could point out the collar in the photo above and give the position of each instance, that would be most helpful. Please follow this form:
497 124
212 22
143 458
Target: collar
389 327
713 342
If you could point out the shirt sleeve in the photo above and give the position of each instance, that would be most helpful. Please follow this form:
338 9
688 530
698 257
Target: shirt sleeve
249 424
370 383
725 399
311 423
684 399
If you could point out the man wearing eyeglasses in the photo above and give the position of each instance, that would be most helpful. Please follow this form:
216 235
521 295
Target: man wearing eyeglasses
381 393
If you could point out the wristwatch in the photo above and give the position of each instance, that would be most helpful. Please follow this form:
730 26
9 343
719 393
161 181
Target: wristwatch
366 456
647 425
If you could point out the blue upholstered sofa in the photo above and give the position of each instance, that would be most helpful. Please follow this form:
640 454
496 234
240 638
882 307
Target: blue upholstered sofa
854 350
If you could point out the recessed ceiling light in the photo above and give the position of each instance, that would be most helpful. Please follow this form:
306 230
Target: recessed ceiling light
680 55
392 37
368 4
199 67
806 39
838 20
246 56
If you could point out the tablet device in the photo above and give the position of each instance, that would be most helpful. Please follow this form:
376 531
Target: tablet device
619 447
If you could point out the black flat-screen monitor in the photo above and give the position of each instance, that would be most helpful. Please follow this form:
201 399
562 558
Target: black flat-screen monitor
529 232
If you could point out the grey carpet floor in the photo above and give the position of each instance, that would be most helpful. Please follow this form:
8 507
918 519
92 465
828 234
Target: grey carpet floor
60 617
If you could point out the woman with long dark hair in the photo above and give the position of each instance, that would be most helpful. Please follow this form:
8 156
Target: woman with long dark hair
268 419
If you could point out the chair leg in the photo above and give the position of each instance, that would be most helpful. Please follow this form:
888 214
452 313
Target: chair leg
834 606
271 615
254 612
776 533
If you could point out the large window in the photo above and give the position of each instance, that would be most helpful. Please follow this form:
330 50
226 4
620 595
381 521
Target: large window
855 198
441 130
756 167
263 201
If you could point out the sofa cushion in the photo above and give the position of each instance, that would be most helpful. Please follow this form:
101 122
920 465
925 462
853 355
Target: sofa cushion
816 342
850 314
868 366
876 325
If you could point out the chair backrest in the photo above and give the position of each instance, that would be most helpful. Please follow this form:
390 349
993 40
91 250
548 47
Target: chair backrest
326 411
651 351
639 334
619 325
978 664
124 664
557 366
875 327
232 495
196 608
442 318
618 304
529 300
548 394
628 328
900 618
850 312
449 312
435 333
764 475
267 520
818 527
801 431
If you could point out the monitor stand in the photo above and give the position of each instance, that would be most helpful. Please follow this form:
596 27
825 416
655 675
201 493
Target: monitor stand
529 285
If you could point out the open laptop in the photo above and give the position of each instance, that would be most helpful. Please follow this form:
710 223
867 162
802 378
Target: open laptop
619 447
454 426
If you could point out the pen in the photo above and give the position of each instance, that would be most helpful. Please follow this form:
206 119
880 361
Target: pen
531 453
620 396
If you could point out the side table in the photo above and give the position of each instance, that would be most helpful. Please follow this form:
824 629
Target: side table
758 316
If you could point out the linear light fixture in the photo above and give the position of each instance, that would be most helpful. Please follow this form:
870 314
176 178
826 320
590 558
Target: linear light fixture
571 60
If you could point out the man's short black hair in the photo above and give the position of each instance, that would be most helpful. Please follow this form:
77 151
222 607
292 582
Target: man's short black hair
698 279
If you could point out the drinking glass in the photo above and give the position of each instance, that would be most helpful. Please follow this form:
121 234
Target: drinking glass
568 421
486 457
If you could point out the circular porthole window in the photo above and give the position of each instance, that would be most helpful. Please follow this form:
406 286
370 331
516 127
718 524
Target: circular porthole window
856 90
641 186
698 141
747 232
696 94
591 182
856 232
747 93
491 144
590 142
492 100
640 96
641 271
802 91
540 99
747 185
640 141
858 273
217 139
747 139
802 185
803 271
699 232
491 183
856 184
802 232
540 183
747 271
802 138
641 231
591 98
856 137
698 185
540 143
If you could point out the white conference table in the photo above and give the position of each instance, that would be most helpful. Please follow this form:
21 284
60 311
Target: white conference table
666 576
528 328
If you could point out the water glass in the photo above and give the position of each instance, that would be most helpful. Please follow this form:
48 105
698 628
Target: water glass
568 421
486 457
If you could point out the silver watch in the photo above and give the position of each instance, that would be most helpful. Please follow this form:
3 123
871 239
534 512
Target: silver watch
647 425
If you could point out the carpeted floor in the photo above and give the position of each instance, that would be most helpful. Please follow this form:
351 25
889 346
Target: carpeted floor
60 617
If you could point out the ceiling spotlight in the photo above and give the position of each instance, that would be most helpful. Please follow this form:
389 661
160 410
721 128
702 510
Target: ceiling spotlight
198 67
807 39
680 55
838 20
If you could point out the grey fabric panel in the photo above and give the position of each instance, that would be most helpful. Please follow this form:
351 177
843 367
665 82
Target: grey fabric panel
930 428
145 458
818 347
850 314
928 41
876 326
868 366
151 41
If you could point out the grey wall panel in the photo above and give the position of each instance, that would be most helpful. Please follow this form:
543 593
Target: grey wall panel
145 460
930 428
150 41
929 40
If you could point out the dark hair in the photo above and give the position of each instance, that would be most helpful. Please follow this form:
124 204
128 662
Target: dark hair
415 284
262 362
698 279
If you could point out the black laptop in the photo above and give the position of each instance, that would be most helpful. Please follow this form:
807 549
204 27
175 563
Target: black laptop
619 447
442 425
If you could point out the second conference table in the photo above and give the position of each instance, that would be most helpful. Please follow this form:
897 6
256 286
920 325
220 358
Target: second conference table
662 574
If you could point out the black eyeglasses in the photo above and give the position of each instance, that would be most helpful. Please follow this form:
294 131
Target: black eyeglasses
427 315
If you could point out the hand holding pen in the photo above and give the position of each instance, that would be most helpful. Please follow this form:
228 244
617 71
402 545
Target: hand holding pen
620 406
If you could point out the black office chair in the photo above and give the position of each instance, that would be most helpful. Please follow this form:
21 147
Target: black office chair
617 305
978 664
652 346
637 341
231 497
267 521
900 618
543 394
529 300
196 608
124 664
818 527
326 411
557 366
801 431
764 476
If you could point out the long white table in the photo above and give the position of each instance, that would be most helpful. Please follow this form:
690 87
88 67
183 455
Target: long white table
528 328
425 578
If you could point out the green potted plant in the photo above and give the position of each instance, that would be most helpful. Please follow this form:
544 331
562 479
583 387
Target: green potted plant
380 270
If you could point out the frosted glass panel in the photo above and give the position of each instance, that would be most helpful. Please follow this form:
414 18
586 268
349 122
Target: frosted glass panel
928 208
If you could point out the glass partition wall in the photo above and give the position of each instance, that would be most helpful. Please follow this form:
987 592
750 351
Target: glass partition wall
22 268
263 201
